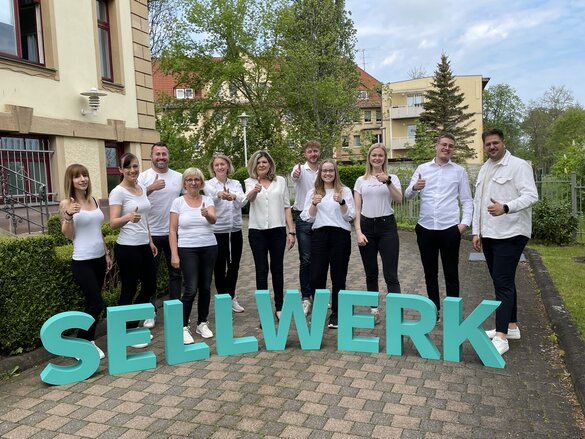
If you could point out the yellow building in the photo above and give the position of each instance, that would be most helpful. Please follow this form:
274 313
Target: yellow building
75 87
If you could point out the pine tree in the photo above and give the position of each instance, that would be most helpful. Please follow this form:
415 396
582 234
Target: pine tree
444 110
423 149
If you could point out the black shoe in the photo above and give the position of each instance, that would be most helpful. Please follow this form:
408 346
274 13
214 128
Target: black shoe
333 321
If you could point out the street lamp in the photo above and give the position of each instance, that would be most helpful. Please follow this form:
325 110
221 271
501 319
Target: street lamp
244 122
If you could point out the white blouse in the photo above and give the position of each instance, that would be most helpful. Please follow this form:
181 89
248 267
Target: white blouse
228 213
329 210
267 209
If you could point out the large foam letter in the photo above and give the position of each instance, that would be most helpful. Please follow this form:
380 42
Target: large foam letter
176 352
54 342
417 330
456 331
226 344
119 339
347 320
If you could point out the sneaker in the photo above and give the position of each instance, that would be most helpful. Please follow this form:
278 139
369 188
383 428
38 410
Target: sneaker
187 337
236 307
513 334
306 306
376 314
203 330
333 321
149 323
102 355
501 345
141 345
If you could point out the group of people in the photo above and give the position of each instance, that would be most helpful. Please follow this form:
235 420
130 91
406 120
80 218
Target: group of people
197 225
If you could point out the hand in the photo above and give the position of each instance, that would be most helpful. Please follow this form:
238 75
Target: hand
153 248
134 216
225 194
297 172
258 187
157 184
175 262
109 262
476 241
317 199
420 183
382 178
204 212
361 239
337 197
462 228
496 208
74 207
290 241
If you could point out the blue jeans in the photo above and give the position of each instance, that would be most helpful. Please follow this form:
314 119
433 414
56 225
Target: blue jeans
304 232
502 257
197 266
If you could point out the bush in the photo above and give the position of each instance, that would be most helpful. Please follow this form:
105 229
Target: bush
553 223
54 230
350 173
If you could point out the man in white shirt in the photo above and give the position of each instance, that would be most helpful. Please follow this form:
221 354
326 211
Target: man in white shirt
443 186
304 179
163 185
502 224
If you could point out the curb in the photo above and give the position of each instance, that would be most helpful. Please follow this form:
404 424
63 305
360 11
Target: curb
562 322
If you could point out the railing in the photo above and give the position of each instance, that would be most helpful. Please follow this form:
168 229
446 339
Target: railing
406 112
23 199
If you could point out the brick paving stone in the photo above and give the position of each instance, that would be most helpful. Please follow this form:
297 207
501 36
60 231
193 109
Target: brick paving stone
385 432
22 431
338 425
296 432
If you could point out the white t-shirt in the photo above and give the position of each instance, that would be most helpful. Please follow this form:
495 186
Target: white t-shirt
329 210
267 210
228 213
132 233
194 229
376 201
161 200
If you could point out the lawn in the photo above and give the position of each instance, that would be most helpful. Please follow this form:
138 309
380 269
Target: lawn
568 276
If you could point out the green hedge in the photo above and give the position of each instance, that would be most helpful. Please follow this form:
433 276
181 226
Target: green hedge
553 223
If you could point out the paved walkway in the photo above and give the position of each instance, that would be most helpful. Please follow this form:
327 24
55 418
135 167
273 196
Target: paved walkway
315 394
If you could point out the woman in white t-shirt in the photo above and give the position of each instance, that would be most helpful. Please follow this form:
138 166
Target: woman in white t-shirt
269 218
194 249
330 208
81 221
229 199
375 224
134 249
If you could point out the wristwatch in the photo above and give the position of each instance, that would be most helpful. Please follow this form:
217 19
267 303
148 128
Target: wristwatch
342 202
506 208
389 181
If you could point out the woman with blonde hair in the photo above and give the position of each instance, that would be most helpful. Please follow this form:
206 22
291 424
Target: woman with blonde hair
81 221
375 224
270 216
194 249
229 198
330 208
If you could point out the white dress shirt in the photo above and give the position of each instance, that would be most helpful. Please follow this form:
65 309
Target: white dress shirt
376 201
303 185
509 181
445 187
267 209
228 213
329 210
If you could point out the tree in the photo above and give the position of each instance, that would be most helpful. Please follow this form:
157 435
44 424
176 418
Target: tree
417 72
164 22
444 110
557 99
422 151
502 108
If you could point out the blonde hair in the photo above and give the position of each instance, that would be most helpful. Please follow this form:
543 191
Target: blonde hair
223 157
253 162
193 172
320 184
72 171
368 173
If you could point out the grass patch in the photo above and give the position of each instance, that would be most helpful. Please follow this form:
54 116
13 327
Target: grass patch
568 276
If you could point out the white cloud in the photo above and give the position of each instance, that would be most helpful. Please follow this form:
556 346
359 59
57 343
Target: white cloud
391 59
426 44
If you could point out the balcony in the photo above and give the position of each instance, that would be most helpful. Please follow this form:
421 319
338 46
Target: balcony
400 142
405 112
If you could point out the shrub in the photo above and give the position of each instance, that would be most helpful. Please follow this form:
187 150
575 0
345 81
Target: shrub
553 223
54 230
350 173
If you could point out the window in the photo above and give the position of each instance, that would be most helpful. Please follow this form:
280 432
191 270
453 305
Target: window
411 131
345 142
367 116
362 94
378 115
105 40
21 32
180 93
415 100
188 93
357 140
113 153
378 138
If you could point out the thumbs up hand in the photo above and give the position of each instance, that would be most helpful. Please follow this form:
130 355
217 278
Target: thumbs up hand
496 208
297 172
134 216
157 184
420 183
204 212
74 206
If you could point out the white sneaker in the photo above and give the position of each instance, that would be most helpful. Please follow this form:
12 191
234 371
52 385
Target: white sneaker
236 307
306 306
501 345
203 330
149 323
376 314
102 355
141 345
513 334
187 337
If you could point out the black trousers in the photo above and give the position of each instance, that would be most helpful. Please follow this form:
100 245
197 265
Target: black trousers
227 266
330 248
136 264
430 244
89 275
162 244
269 242
502 257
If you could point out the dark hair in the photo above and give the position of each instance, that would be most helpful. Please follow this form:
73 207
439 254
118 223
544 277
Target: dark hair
163 144
72 171
126 159
492 132
445 135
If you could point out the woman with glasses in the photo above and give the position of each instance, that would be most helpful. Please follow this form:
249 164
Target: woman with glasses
194 249
330 208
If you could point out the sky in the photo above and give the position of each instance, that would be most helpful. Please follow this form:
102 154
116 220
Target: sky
530 45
